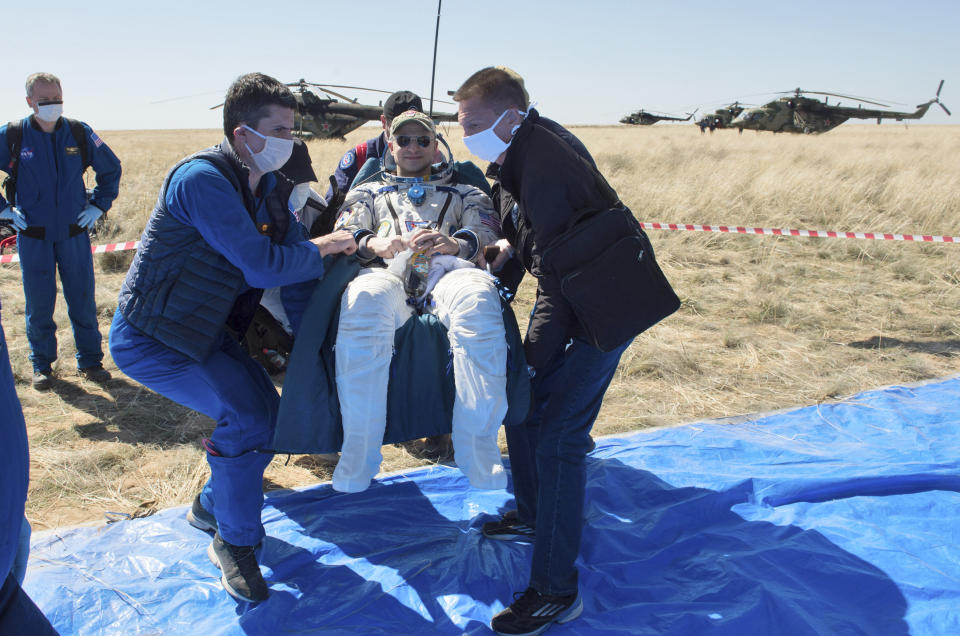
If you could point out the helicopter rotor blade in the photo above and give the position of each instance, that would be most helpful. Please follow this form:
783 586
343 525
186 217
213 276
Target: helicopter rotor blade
362 88
336 94
800 91
945 109
939 88
220 105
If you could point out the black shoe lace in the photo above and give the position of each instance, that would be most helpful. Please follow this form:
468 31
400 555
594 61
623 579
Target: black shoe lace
245 558
525 602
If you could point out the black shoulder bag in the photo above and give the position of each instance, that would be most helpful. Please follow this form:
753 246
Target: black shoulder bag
609 275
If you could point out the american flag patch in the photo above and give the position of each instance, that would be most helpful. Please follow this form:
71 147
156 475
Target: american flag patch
96 140
491 222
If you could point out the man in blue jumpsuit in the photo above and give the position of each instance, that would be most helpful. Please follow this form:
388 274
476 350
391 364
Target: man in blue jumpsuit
18 614
353 159
52 214
221 232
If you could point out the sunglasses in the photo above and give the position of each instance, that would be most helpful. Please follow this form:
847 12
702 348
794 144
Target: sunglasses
404 140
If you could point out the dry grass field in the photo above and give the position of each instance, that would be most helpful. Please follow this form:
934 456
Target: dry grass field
766 322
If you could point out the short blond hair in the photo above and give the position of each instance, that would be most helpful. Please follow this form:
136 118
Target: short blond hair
41 78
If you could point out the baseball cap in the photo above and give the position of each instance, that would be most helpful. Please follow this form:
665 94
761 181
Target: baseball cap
415 116
400 102
299 168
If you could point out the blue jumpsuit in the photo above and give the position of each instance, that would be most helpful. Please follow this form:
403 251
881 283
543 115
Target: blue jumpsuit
226 385
51 194
18 614
353 160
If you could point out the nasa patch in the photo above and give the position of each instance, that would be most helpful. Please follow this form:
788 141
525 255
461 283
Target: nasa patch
347 161
26 153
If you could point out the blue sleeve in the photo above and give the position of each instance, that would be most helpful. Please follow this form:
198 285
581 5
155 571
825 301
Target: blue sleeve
4 161
107 167
346 171
199 196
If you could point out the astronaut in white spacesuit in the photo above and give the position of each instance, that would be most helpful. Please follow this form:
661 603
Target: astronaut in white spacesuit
416 220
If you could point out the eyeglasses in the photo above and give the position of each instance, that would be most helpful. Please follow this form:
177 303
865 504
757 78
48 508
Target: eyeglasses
404 140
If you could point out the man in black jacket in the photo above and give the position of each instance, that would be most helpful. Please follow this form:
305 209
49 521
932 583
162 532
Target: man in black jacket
543 185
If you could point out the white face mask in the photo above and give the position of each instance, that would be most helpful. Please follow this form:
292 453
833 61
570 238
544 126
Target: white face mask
275 152
487 145
49 112
299 196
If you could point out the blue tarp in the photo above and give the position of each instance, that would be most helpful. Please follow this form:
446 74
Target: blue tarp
831 519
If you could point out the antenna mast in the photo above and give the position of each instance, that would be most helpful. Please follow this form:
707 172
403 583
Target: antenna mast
433 74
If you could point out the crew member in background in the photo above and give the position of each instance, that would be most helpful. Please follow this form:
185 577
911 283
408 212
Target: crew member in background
543 186
305 202
45 156
375 148
221 232
269 339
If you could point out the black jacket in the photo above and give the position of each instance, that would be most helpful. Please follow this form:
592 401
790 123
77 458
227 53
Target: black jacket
553 185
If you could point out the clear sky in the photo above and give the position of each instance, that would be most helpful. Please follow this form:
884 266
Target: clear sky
587 62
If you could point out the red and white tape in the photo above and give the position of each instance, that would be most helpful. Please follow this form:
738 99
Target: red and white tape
765 231
686 227
95 249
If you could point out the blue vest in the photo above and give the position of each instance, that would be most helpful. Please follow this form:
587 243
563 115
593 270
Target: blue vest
180 290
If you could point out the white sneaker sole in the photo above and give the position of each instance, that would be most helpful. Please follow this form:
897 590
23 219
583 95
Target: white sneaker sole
573 612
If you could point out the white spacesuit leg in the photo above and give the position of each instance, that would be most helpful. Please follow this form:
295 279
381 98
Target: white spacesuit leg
468 304
372 308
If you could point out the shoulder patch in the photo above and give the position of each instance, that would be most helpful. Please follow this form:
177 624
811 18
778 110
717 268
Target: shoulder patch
347 160
96 140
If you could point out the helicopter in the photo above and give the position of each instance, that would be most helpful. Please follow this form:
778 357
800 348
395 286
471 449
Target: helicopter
646 118
797 113
322 116
721 117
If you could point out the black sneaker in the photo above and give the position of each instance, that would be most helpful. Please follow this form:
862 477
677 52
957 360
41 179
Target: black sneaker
42 380
509 528
95 374
532 613
240 572
200 518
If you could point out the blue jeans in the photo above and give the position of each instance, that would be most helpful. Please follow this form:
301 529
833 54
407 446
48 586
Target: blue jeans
230 387
547 459
40 260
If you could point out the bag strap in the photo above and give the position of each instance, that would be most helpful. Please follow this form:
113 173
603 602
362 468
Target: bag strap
80 135
14 142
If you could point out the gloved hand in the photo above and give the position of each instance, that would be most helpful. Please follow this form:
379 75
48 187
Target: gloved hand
89 216
14 215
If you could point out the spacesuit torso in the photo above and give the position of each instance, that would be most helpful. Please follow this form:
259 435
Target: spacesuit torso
396 206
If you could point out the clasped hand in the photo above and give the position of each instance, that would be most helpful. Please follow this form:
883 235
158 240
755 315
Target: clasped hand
423 240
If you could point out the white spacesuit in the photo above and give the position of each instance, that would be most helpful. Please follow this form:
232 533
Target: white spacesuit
376 303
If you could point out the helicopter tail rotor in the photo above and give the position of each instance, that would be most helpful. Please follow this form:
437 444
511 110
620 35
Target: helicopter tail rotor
936 100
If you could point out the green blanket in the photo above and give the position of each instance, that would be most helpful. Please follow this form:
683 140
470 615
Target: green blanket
421 392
